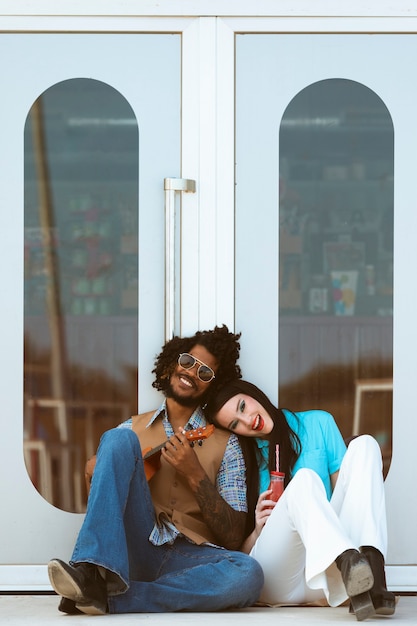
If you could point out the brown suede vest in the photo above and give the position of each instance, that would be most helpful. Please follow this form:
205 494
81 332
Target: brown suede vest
170 493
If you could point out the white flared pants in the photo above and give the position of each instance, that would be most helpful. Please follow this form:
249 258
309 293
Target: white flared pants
305 532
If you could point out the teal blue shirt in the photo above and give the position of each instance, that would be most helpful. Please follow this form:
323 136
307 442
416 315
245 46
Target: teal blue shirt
323 447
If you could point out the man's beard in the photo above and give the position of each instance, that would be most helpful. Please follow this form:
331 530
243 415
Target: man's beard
188 402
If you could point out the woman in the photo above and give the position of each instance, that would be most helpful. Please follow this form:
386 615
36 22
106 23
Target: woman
325 539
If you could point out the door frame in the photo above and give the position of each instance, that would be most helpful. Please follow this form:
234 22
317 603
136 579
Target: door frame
207 138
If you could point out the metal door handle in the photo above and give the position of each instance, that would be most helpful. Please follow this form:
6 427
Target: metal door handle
171 185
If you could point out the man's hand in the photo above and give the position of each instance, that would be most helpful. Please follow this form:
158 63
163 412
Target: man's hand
227 524
178 453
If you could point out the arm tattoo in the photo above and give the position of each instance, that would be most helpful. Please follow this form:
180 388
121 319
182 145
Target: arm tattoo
227 524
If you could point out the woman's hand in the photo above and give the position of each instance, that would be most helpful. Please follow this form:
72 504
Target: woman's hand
263 510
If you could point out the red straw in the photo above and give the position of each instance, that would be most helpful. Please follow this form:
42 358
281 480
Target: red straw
277 457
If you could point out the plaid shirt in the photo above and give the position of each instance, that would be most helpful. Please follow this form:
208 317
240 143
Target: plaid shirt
230 481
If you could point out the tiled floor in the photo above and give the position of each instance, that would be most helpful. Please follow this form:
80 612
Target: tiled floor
20 610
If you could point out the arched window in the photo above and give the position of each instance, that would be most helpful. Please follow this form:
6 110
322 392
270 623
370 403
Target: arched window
80 281
336 256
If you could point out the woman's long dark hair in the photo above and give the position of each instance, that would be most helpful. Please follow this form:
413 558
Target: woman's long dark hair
281 434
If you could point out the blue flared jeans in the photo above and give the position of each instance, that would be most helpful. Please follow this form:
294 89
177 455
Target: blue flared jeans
142 577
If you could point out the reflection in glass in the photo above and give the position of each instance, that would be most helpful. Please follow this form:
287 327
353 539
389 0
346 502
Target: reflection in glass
336 256
80 282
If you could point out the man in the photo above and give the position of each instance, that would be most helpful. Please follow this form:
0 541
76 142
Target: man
155 546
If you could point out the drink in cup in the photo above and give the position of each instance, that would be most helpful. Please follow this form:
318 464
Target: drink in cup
277 485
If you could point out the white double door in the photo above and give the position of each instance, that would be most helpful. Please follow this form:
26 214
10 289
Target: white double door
147 71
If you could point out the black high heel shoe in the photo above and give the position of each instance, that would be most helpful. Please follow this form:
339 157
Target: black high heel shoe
358 579
383 600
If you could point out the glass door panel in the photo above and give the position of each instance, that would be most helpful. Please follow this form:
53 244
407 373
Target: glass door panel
314 226
336 215
81 280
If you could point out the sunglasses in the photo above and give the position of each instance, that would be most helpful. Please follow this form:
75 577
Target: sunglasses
204 372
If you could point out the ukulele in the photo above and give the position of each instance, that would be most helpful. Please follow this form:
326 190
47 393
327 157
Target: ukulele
152 456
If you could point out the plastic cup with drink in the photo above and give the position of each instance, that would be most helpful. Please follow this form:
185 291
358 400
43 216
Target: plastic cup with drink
277 485
277 479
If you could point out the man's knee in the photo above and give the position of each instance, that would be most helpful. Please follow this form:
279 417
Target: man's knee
251 580
119 435
120 440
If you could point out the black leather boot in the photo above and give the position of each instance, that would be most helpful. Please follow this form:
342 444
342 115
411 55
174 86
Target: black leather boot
383 600
68 606
358 579
81 584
